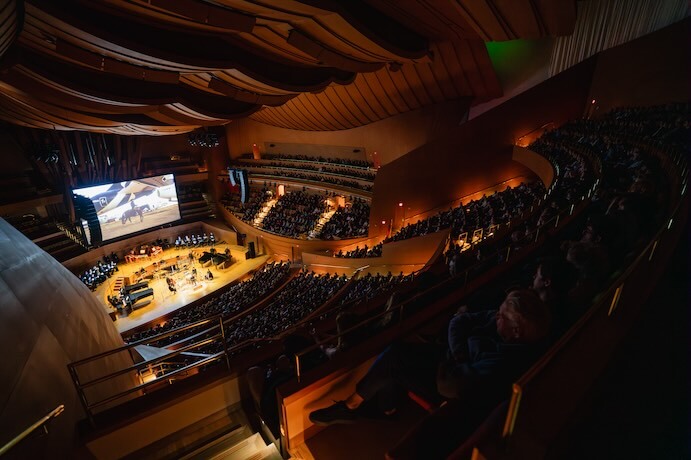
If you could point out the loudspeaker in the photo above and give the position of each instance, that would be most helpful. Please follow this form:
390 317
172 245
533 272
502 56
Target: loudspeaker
250 250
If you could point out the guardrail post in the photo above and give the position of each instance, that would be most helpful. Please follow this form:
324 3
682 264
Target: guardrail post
615 300
512 412
652 251
225 344
297 367
82 395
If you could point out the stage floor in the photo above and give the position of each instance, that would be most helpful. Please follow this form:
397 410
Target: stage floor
163 301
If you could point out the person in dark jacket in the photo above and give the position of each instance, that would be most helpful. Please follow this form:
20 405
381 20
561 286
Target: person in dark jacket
486 352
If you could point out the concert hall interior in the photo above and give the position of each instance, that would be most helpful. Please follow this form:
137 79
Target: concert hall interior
336 229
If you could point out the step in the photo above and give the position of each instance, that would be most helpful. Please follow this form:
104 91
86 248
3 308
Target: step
118 284
220 444
323 219
259 218
228 424
251 448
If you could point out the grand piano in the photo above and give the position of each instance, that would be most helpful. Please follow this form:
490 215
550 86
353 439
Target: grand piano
216 258
135 293
135 287
137 296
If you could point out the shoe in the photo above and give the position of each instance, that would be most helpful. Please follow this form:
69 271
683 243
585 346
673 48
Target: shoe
336 413
371 410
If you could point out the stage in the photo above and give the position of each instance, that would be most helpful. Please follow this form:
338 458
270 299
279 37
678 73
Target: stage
163 300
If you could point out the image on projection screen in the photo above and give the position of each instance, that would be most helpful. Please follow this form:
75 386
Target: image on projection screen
134 205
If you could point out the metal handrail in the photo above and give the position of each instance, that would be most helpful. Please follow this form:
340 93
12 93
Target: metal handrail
142 386
151 362
40 422
143 341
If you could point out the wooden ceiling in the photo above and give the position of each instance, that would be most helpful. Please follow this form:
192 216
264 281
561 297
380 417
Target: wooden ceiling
171 66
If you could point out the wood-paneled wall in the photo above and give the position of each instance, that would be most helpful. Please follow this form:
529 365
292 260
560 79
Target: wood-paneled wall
401 256
537 163
390 138
477 154
650 70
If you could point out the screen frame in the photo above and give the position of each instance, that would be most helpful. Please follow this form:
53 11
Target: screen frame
138 232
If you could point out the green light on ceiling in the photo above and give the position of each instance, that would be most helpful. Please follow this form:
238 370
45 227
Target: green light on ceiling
514 57
510 53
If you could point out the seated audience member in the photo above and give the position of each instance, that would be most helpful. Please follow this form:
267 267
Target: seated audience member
587 278
487 351
552 280
345 320
624 217
263 381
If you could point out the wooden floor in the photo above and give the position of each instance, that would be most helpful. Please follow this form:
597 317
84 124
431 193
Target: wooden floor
164 301
367 439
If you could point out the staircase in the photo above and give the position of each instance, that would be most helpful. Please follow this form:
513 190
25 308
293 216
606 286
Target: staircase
259 218
251 447
323 219
118 284
225 435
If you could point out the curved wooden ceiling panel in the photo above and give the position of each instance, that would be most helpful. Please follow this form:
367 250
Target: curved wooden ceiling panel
496 20
458 70
11 23
164 66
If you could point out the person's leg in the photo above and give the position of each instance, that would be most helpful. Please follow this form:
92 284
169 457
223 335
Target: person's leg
412 366
407 365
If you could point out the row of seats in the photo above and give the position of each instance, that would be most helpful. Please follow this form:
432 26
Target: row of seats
349 222
295 214
365 251
195 241
246 211
237 298
313 159
360 174
321 179
99 273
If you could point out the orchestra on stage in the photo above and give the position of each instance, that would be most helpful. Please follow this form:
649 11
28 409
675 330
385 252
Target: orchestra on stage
178 271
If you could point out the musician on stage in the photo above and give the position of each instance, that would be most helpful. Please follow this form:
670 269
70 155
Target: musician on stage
171 285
